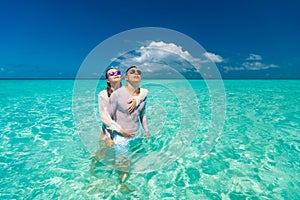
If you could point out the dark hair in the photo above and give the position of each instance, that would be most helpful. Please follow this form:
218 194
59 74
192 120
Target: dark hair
130 68
108 87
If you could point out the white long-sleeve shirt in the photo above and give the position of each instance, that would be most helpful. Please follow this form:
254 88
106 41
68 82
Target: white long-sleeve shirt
104 115
128 120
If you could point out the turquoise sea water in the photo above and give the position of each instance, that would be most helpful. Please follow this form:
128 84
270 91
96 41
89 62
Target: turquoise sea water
48 135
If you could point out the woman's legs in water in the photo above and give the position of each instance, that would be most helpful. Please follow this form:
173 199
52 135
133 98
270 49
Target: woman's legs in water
100 153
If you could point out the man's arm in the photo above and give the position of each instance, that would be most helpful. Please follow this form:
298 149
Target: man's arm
142 96
143 119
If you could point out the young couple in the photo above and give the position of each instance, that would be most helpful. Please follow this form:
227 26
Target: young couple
122 109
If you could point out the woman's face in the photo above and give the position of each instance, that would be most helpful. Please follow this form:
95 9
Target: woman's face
113 76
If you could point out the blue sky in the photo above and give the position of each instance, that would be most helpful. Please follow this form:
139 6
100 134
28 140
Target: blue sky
245 39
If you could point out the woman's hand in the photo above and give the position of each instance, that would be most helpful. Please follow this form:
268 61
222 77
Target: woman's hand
147 135
132 106
127 133
109 142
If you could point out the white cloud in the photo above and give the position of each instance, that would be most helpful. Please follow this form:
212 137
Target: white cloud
258 66
230 68
254 57
250 66
155 57
213 57
156 51
252 63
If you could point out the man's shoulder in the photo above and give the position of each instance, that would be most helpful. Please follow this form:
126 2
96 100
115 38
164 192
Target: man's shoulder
144 90
121 90
118 92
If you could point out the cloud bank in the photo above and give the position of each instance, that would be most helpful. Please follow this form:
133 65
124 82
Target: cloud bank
161 60
252 63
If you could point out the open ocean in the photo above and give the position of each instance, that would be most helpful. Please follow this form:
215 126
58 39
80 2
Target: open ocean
239 142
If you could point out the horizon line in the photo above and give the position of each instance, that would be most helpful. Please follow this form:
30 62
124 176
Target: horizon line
153 79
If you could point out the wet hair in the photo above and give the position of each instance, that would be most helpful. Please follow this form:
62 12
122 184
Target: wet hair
130 68
108 86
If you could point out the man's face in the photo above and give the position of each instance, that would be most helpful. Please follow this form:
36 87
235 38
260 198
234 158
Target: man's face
134 75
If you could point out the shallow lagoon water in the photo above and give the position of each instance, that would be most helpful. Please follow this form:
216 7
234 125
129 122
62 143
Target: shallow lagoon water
44 155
